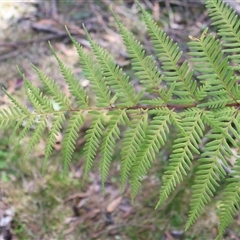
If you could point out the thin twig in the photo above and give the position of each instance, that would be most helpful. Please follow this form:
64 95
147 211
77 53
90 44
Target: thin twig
33 40
9 55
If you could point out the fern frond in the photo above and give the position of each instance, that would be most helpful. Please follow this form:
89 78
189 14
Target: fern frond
73 84
208 105
94 74
93 137
108 142
155 137
70 138
181 157
115 77
169 55
52 89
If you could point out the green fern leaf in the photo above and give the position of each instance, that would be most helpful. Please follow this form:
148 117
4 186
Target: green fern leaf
38 101
205 108
70 138
112 134
57 122
73 84
53 90
181 158
145 68
18 105
116 79
228 24
37 135
29 124
94 74
208 58
131 144
15 130
93 137
169 54
10 117
211 162
155 137
230 204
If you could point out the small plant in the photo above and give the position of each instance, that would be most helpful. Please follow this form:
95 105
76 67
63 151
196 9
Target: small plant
206 106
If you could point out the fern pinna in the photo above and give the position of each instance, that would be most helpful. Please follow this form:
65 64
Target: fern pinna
203 106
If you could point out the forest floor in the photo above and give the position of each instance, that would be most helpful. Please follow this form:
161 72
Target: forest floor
45 207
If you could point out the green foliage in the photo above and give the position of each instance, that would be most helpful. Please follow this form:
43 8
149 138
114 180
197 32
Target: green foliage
205 107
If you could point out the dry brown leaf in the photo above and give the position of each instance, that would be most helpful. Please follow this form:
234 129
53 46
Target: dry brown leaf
156 11
114 204
48 25
78 195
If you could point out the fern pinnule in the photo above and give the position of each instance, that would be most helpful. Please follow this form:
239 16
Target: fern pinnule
155 137
182 157
109 141
166 96
73 84
8 117
37 134
228 24
211 162
230 203
154 102
229 125
94 74
176 120
15 130
169 55
29 124
201 92
23 109
216 102
144 66
93 137
205 184
131 144
57 122
40 103
31 98
114 75
70 138
52 89
208 58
